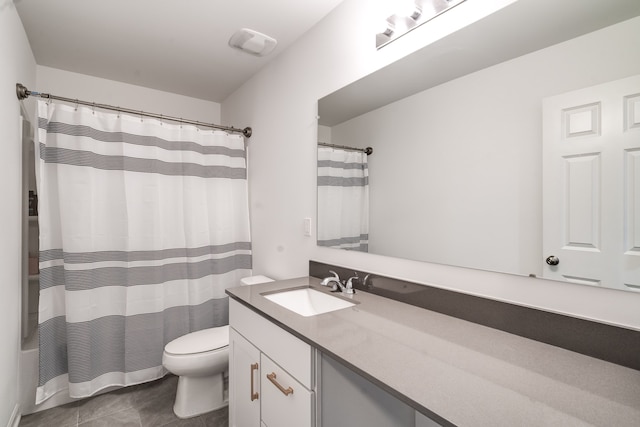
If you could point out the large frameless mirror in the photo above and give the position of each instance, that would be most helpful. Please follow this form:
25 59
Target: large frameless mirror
459 174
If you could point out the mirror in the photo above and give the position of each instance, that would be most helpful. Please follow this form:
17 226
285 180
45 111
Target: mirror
456 174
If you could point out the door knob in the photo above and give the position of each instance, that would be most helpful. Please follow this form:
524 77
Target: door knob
553 260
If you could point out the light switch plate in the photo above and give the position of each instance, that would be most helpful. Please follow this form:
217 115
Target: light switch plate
307 226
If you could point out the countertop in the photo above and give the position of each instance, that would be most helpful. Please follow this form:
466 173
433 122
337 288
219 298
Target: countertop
466 374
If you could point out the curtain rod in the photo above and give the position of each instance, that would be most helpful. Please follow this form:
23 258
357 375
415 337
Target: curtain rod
367 150
22 92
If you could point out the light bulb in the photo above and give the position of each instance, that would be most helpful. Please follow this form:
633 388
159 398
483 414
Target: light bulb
384 26
405 7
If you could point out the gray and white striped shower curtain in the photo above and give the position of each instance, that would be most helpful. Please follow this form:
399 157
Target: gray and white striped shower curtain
343 199
143 225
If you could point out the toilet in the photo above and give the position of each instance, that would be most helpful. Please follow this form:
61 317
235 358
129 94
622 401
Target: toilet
200 359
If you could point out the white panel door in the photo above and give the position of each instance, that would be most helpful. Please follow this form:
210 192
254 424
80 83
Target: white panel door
591 185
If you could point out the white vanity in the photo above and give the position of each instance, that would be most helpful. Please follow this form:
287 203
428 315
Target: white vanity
381 362
271 373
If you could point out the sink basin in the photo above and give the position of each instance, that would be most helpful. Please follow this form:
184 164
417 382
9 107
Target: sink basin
308 302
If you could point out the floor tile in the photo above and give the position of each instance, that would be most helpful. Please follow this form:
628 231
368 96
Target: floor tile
125 418
60 416
189 422
104 404
219 418
155 404
163 389
143 405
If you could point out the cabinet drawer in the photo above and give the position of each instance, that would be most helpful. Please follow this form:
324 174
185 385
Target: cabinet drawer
293 354
285 402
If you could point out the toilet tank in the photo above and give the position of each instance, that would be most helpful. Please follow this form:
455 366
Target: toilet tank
254 280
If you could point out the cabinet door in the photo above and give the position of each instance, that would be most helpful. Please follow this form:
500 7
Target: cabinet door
244 382
285 402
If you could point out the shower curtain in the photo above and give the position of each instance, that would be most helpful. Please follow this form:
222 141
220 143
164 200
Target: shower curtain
143 225
343 199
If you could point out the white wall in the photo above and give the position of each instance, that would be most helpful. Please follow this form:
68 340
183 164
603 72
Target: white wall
280 104
17 65
468 155
94 89
324 134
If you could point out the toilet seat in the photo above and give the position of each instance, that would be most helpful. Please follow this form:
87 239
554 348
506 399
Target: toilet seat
199 342
199 353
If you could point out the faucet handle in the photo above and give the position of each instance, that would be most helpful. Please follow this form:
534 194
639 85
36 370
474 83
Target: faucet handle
349 286
366 283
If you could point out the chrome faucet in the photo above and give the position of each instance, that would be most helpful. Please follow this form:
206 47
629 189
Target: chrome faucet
335 279
337 284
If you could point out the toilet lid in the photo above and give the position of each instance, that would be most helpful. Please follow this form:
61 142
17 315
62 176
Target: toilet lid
200 341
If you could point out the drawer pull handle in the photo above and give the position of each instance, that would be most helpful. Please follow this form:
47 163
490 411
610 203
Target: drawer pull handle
286 391
254 395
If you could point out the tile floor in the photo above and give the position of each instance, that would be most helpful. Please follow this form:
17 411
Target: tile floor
144 405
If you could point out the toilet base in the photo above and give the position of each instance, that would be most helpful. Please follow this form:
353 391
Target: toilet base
199 395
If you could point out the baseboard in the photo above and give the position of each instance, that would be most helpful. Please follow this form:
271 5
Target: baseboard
14 420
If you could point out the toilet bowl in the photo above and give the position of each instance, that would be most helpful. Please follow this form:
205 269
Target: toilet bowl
200 360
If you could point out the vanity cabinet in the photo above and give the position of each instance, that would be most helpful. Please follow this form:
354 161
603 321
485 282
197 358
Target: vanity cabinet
271 373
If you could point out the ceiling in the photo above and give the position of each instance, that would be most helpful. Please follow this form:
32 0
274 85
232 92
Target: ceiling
171 45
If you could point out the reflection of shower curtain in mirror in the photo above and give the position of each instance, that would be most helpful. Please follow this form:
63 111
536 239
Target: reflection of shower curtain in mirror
143 225
343 199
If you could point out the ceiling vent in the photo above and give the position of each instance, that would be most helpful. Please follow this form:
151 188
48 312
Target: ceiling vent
252 42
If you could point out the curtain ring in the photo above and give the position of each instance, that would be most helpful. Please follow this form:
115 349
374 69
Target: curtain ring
141 114
76 104
93 109
118 110
160 119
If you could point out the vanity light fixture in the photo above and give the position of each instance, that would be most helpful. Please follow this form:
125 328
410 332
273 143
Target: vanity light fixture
409 14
